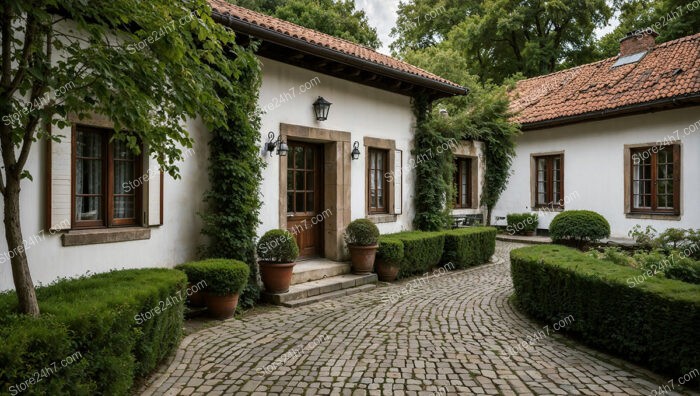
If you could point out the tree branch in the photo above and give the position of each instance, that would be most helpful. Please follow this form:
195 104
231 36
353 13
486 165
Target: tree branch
30 36
37 90
6 44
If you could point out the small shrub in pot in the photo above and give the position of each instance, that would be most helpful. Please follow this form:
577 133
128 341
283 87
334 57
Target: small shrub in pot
389 256
361 237
223 280
277 251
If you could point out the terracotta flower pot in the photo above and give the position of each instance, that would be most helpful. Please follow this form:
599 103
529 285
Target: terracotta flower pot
222 307
362 258
387 272
196 299
275 276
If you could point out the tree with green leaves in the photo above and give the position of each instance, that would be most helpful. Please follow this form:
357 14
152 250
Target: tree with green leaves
147 66
672 19
425 23
339 18
503 37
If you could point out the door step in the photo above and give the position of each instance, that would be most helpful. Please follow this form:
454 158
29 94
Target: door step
323 289
313 270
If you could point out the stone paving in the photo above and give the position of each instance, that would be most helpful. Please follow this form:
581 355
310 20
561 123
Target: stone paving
455 333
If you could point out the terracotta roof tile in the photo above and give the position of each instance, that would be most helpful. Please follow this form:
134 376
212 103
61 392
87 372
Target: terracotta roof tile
321 39
669 70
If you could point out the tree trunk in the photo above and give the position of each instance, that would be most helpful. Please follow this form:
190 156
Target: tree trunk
15 242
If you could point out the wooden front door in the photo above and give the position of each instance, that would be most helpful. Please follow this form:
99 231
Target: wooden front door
305 197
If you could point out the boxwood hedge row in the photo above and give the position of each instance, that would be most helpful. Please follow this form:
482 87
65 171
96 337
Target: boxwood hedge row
96 335
424 250
467 247
653 323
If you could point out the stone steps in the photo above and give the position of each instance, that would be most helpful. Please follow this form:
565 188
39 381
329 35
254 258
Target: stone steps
323 289
313 270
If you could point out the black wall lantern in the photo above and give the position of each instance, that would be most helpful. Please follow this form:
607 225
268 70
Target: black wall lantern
278 144
321 108
355 150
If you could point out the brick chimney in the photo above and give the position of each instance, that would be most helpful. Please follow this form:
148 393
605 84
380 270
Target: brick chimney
637 41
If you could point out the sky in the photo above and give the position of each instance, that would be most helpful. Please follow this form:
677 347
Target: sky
382 16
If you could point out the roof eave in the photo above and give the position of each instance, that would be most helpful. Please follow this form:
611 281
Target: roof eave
441 89
661 104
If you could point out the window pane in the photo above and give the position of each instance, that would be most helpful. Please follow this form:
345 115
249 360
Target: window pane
299 176
299 157
88 177
310 181
88 208
309 201
290 202
310 159
124 208
89 144
124 177
300 202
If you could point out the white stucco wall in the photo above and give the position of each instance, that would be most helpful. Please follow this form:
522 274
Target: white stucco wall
358 109
173 243
594 167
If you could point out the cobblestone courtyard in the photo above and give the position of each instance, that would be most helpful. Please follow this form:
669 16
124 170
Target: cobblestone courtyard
451 336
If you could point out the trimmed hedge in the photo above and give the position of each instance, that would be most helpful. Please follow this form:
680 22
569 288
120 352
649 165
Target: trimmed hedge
390 250
522 223
220 276
467 247
653 322
108 323
422 251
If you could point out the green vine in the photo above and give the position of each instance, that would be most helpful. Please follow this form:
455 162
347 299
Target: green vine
483 116
235 173
433 175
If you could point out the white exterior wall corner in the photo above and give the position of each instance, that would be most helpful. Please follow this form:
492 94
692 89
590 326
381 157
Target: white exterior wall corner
594 167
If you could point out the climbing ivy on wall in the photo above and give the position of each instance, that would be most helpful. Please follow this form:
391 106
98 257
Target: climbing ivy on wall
483 116
235 173
433 171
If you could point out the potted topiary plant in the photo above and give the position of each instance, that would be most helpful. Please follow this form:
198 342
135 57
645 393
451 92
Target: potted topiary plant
224 280
195 298
389 256
277 251
361 237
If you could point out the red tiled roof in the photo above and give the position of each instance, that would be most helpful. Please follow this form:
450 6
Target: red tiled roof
669 71
322 40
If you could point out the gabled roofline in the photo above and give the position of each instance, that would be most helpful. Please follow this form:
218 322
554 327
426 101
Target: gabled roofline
440 89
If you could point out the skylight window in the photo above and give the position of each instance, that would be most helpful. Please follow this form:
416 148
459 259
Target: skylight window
626 60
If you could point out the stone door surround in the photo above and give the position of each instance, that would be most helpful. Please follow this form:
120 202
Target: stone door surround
336 190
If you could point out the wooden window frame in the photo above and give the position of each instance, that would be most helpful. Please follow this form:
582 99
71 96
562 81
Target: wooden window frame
653 151
458 183
381 174
108 220
549 181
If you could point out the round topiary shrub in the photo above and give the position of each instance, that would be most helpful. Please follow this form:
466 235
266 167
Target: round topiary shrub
578 227
277 246
220 277
361 232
